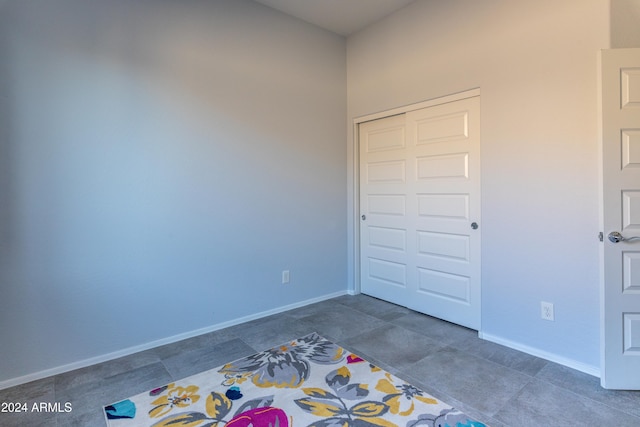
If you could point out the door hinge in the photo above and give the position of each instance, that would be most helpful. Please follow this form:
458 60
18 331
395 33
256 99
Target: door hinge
601 236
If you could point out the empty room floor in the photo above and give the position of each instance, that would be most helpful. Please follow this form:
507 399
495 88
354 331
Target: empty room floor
494 384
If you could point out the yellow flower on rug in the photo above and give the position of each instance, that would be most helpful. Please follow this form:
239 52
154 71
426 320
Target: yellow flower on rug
175 397
400 398
236 378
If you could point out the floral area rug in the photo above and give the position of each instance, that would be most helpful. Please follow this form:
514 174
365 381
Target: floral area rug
308 382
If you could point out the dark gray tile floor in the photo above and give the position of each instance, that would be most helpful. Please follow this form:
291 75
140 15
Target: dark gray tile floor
494 384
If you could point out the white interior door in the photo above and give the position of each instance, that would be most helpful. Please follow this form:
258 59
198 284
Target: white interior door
620 323
446 190
384 218
420 201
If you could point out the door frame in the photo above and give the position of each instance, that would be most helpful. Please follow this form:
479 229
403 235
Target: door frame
355 155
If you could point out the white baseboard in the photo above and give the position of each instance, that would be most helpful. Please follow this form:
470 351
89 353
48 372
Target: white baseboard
579 366
169 340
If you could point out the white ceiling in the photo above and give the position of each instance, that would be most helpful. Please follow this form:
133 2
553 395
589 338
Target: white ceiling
342 17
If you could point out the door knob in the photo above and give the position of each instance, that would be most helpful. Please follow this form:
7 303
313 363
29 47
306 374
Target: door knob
474 225
616 237
364 217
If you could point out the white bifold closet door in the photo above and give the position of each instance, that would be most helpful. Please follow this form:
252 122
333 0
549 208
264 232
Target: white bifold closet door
420 210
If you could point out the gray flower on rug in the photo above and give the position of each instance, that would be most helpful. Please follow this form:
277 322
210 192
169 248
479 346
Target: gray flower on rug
286 366
335 407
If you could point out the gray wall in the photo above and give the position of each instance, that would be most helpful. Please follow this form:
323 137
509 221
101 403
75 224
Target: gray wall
161 162
535 63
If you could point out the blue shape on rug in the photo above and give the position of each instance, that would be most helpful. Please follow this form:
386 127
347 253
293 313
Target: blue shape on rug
233 393
124 409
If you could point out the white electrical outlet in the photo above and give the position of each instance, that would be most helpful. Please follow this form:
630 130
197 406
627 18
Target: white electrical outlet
285 276
546 310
